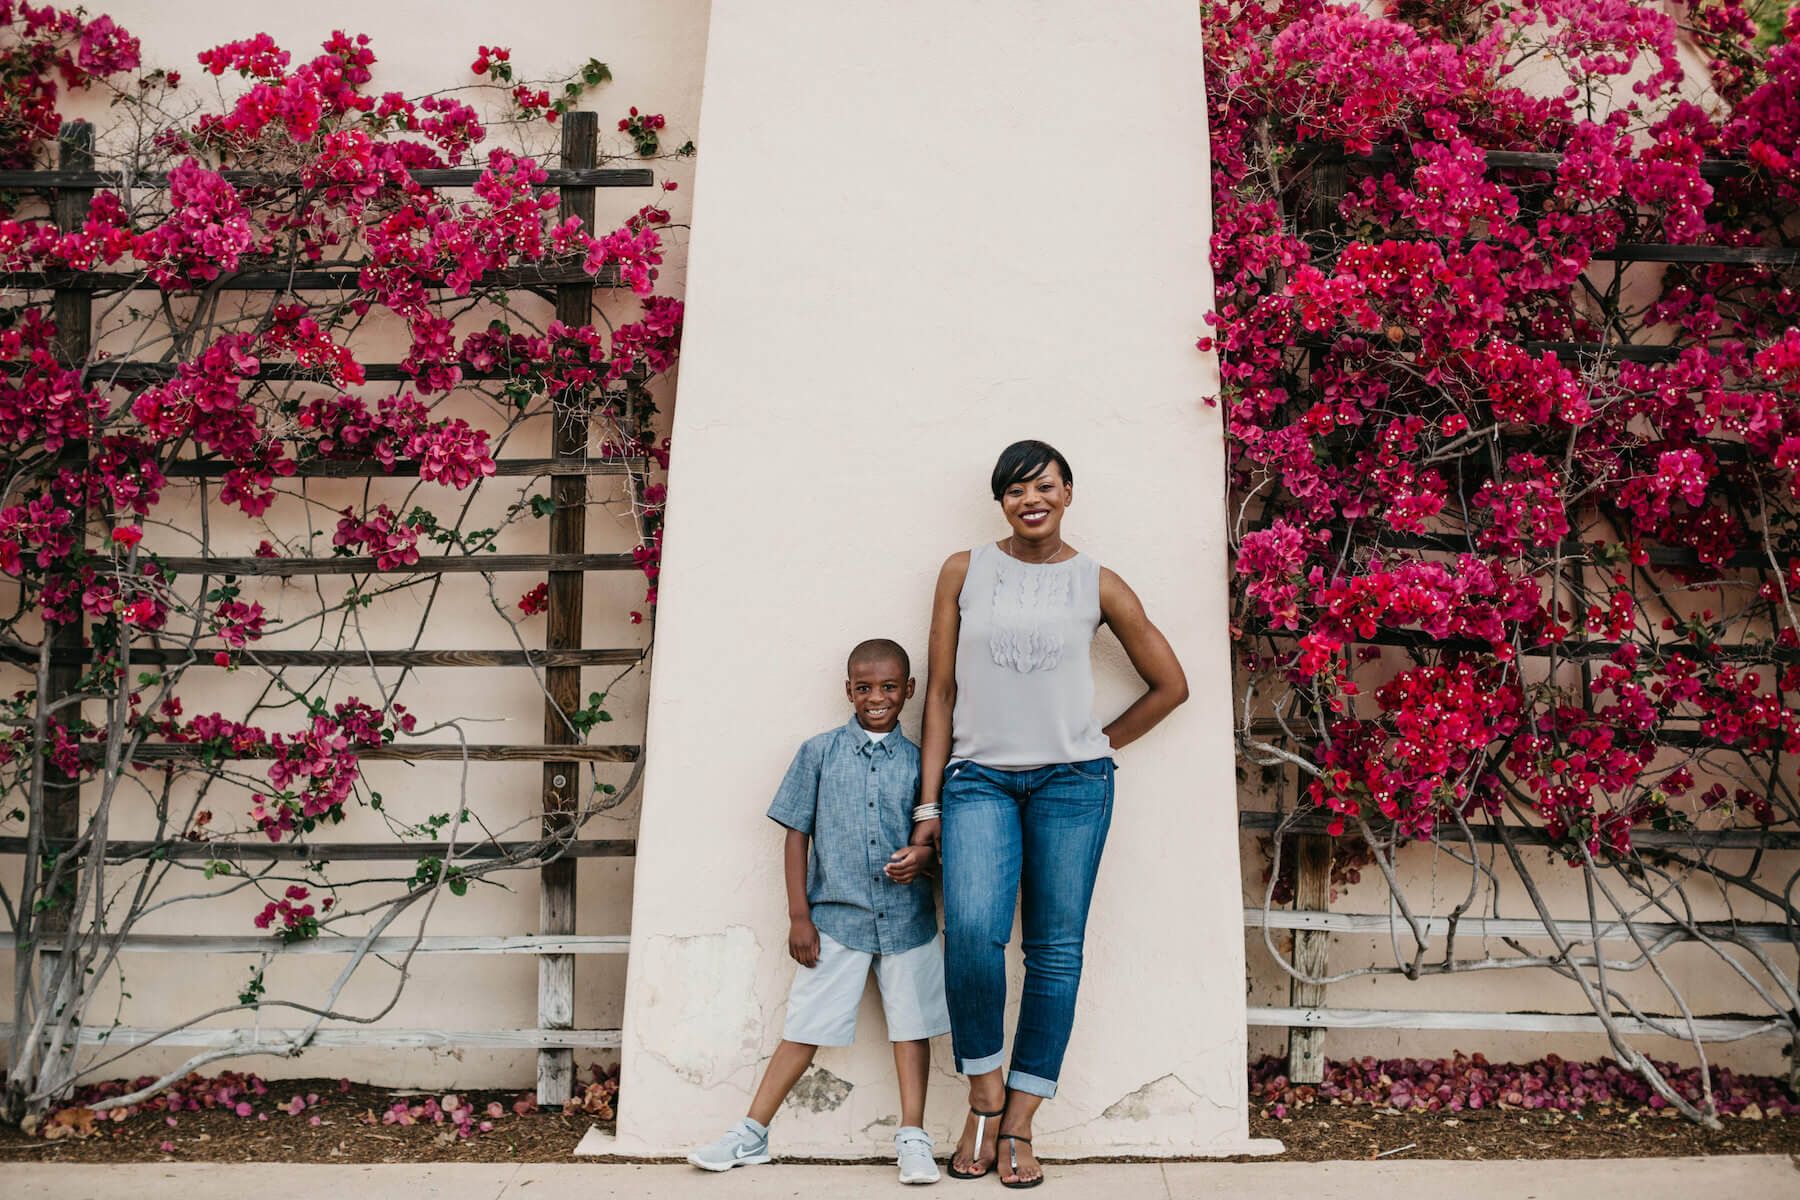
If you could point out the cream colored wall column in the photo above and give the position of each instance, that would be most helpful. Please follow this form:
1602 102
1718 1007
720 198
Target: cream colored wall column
922 231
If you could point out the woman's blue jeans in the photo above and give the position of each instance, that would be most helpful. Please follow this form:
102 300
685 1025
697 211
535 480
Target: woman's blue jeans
1032 838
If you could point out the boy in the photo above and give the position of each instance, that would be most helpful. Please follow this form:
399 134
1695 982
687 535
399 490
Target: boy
855 898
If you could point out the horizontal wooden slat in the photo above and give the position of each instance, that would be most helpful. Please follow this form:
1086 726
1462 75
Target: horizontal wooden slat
1504 160
1613 350
1664 252
1574 650
1505 927
1530 835
368 468
182 943
145 656
271 1040
310 280
1712 1029
408 752
1710 168
1657 554
1326 245
555 177
279 1041
1564 350
130 371
261 850
430 564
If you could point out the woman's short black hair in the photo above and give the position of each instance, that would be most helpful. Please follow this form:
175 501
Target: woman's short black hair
1026 460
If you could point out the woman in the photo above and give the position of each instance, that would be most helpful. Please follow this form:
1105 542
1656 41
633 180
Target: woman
1022 773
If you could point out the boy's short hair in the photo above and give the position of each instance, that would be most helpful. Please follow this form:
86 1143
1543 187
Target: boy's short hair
1024 461
878 650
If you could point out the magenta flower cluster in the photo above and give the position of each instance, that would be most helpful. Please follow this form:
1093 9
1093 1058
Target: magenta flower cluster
262 393
1435 449
314 771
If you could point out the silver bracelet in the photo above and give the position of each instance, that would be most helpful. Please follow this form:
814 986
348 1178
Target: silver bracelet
926 812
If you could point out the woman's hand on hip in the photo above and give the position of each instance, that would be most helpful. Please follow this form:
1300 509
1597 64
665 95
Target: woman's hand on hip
1150 654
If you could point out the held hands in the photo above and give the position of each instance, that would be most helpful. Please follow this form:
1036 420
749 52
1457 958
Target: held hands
904 865
803 941
926 833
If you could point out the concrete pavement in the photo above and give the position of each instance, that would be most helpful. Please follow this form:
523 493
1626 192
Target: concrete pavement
1741 1177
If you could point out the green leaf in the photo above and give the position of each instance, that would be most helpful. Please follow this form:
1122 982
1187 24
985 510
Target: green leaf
542 506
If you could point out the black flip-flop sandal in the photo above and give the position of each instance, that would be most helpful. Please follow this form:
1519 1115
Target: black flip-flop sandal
1013 1153
981 1120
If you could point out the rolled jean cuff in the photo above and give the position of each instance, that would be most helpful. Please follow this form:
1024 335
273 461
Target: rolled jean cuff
1031 1085
981 1066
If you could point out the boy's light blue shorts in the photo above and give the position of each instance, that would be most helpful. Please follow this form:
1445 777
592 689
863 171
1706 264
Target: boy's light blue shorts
822 1004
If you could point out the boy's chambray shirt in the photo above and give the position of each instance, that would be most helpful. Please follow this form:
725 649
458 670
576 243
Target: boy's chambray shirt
854 796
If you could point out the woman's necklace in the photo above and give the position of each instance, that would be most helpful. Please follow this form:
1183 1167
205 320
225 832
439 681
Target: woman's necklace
1012 551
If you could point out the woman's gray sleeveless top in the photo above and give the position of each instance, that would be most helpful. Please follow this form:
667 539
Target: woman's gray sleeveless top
1024 676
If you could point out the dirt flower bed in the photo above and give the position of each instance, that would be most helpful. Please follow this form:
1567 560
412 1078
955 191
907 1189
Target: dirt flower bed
244 1118
1324 1132
1469 1108
1397 1108
1470 1083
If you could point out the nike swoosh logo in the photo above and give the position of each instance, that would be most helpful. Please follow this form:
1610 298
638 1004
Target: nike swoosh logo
743 1152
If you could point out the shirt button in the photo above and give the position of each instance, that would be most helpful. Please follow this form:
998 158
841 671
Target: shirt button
881 914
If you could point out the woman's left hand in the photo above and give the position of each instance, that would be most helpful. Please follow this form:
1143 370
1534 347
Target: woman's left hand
905 865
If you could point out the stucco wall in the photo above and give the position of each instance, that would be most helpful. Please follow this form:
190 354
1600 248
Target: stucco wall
915 241
991 234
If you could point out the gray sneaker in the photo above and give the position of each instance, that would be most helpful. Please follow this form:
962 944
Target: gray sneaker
914 1148
741 1146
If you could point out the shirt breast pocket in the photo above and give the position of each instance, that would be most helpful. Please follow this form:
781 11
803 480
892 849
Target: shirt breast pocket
897 789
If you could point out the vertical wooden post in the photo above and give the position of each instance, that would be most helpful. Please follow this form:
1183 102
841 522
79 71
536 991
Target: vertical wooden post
73 313
568 535
1312 866
1312 952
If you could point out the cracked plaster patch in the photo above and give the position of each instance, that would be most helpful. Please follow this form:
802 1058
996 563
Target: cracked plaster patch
700 1016
1165 1114
820 1091
1158 1096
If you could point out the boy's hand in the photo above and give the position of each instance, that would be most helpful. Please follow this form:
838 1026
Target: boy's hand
904 865
803 941
926 833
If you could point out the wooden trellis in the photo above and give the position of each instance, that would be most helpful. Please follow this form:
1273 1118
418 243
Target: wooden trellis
561 752
1311 921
